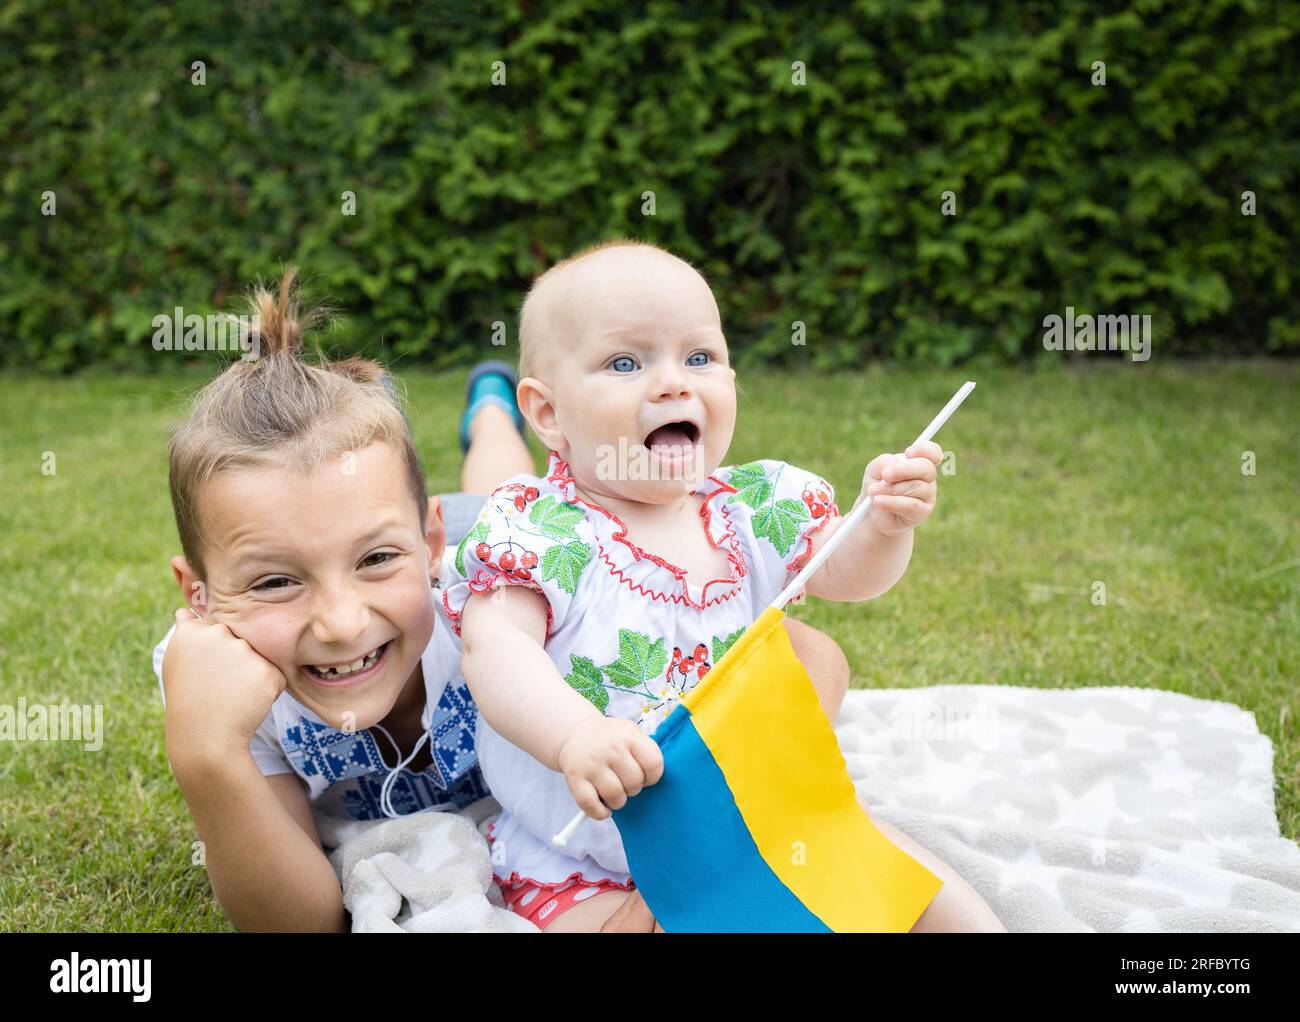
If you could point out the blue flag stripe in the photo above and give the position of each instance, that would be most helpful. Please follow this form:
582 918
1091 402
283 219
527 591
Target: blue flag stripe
687 846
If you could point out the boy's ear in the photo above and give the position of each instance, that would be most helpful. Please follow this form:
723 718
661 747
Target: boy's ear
435 535
193 591
535 402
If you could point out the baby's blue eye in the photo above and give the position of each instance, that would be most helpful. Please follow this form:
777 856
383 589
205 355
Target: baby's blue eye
702 355
623 364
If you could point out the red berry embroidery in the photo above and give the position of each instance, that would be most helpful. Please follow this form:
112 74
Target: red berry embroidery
818 510
701 652
530 493
483 552
529 559
520 504
507 561
704 669
523 574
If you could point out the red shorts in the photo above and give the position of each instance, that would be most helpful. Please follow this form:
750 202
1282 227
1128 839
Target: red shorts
542 904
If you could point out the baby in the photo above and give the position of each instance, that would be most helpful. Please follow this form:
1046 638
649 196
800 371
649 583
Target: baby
621 577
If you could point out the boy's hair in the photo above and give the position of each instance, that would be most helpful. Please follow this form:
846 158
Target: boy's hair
281 410
532 332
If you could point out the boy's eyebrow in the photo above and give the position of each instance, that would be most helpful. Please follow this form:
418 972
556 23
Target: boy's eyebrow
274 557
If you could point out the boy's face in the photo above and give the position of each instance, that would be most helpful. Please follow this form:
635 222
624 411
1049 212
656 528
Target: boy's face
324 569
644 370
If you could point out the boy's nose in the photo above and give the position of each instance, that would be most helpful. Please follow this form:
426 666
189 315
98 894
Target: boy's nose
339 617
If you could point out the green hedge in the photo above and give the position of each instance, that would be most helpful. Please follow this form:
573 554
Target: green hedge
819 203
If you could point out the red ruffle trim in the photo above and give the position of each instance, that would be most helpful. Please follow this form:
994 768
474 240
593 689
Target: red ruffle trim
832 512
559 476
515 878
484 581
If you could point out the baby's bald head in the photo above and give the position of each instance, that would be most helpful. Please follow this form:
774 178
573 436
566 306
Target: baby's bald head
608 277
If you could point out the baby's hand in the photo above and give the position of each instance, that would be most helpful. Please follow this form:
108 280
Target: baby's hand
218 690
903 488
607 760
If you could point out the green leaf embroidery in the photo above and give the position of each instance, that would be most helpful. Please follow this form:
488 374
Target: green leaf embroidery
475 535
587 680
721 644
555 519
565 564
752 485
639 659
779 524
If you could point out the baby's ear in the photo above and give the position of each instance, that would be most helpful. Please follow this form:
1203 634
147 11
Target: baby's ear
535 403
193 590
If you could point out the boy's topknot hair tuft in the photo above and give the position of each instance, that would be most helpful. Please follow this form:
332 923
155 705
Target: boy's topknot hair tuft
282 410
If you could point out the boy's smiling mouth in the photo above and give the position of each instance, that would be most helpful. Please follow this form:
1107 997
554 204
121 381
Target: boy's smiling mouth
349 671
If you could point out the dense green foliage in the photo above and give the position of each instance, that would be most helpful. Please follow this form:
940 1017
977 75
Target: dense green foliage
818 202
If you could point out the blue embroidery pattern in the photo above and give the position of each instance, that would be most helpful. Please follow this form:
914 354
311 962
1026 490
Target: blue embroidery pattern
410 793
451 732
452 779
319 750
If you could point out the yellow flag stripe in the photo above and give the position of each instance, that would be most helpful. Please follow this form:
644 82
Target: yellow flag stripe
759 715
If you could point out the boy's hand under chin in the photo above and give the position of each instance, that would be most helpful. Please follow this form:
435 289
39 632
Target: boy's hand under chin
218 690
903 488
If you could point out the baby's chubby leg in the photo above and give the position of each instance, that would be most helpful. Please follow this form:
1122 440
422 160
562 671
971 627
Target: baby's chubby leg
958 907
590 915
825 662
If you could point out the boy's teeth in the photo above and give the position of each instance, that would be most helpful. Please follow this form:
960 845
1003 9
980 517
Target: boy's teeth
343 670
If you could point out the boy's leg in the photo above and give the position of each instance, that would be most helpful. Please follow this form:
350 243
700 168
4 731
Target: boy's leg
822 658
496 451
492 429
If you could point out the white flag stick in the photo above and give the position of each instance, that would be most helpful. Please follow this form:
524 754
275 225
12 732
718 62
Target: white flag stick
860 512
855 517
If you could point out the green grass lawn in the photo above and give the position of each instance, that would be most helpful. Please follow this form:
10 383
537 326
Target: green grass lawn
1125 474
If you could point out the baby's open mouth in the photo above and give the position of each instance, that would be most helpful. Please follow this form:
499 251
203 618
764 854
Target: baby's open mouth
673 435
334 672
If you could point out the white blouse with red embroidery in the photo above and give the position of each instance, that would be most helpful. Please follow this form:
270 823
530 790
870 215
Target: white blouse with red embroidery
624 627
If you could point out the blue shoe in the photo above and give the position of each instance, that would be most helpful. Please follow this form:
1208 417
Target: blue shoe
490 383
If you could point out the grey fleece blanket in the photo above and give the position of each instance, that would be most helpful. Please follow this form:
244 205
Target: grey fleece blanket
1097 809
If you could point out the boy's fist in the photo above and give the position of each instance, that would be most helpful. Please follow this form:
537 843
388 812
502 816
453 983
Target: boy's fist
903 487
218 689
607 760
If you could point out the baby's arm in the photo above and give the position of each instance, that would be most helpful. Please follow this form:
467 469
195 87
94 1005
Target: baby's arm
260 845
605 760
904 490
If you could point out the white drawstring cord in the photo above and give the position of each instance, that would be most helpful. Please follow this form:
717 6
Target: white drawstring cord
385 800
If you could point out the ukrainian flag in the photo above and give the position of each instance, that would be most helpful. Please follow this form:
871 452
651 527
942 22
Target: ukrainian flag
755 824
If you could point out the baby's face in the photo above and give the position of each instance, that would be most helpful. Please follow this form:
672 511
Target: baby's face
643 394
326 574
